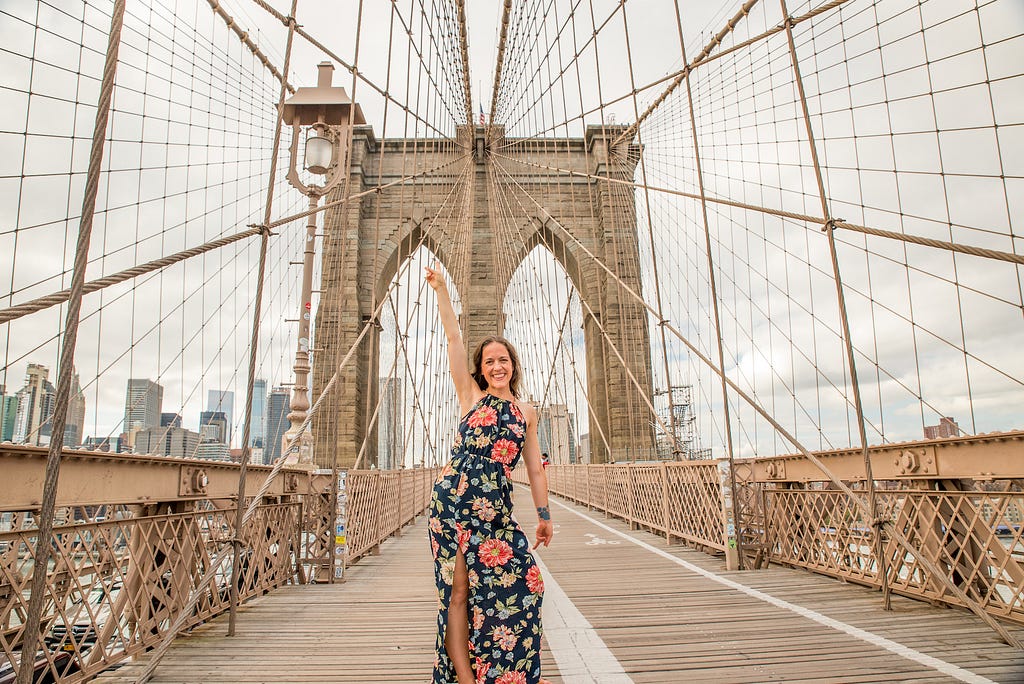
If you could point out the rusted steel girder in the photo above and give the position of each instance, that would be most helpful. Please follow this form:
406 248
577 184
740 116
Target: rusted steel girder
94 478
991 456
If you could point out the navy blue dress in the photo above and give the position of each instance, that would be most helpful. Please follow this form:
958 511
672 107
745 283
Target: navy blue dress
471 512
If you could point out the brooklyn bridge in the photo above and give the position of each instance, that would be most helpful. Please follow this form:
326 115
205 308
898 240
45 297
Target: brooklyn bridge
762 262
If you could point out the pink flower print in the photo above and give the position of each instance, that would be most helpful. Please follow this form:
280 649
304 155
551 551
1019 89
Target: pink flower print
483 417
463 484
434 525
462 536
504 451
504 637
478 617
516 413
534 581
495 552
482 666
511 677
484 509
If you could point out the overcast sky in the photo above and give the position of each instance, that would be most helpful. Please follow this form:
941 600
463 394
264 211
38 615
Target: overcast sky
904 102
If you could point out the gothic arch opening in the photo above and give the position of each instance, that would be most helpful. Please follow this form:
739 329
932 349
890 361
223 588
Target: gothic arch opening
544 318
413 399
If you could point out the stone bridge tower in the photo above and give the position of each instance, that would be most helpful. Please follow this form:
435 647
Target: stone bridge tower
369 237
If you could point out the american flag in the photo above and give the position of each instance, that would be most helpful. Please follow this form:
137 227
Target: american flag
481 114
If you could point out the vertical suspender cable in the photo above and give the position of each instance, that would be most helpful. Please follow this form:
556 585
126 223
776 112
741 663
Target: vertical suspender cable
712 280
256 311
875 521
30 634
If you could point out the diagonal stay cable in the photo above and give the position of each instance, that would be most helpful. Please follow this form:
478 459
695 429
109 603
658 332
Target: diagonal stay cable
930 566
973 250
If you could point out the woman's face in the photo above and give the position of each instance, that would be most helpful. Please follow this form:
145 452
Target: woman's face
496 366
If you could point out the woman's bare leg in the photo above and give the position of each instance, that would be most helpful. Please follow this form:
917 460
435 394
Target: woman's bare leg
456 636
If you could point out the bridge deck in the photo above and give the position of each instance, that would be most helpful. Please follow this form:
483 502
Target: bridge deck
655 618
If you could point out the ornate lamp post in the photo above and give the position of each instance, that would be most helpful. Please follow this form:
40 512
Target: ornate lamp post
321 116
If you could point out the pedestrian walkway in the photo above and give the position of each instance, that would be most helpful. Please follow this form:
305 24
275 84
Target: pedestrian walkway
620 607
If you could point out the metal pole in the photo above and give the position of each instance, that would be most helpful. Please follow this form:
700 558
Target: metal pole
44 535
253 343
875 522
733 540
300 391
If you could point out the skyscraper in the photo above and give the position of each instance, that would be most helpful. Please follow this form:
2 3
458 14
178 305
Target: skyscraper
554 433
258 431
142 403
213 426
390 433
170 420
947 427
74 428
8 413
167 441
35 407
223 401
277 422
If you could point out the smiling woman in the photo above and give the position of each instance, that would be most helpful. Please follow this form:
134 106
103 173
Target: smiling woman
482 561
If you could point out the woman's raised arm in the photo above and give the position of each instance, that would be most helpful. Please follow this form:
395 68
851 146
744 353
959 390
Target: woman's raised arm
465 386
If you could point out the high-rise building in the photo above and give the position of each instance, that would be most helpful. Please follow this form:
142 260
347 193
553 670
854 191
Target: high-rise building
258 430
390 432
213 426
36 400
224 402
167 441
142 403
8 414
74 427
213 451
947 427
554 433
277 422
170 420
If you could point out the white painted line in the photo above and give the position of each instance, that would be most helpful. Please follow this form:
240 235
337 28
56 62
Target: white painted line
582 656
856 632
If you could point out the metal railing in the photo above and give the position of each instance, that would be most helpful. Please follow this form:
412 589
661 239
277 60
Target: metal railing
960 503
134 536
381 503
681 500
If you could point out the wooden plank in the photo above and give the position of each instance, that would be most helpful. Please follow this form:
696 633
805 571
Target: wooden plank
663 622
666 623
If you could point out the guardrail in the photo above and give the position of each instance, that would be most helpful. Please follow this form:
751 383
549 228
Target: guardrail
959 501
681 500
381 503
135 534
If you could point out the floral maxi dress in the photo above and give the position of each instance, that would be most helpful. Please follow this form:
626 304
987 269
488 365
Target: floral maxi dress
471 512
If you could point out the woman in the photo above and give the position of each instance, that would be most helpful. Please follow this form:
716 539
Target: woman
489 586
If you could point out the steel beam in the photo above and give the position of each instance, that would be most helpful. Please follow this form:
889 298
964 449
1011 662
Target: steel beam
94 478
992 456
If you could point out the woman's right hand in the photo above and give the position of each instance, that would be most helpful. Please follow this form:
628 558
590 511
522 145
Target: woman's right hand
434 277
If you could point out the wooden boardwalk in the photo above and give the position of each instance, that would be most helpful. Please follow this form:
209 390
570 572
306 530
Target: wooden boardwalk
653 620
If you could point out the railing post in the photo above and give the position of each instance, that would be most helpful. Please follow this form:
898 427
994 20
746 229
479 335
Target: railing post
728 516
401 516
666 518
605 500
631 496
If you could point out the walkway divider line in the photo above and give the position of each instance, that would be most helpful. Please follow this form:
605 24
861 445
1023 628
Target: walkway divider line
899 649
581 654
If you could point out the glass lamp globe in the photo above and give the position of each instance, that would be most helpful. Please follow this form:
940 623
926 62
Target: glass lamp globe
319 154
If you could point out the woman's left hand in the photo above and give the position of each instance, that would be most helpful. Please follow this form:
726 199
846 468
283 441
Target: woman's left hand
545 530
